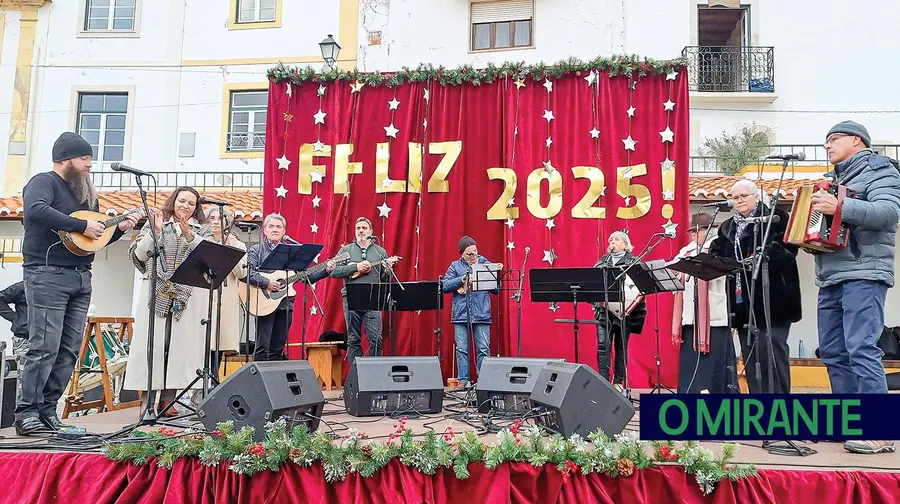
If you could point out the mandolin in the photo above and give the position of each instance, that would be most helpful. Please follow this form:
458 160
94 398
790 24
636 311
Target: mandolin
264 302
389 260
467 282
81 245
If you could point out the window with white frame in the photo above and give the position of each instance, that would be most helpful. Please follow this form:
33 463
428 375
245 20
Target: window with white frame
255 11
501 24
109 15
101 121
247 121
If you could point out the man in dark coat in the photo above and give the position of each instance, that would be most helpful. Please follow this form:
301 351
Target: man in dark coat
739 238
610 330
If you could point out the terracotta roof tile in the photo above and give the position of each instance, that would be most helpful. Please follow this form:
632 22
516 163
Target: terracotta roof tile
247 205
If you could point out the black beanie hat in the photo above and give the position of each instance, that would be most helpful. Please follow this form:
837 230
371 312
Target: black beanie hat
465 242
70 146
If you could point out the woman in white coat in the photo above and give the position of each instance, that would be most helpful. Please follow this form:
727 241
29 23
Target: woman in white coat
229 338
708 360
178 339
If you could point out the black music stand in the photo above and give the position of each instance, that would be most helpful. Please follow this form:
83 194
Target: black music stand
206 267
391 297
289 257
588 285
652 278
704 266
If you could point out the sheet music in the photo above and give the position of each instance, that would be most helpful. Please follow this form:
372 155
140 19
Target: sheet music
485 276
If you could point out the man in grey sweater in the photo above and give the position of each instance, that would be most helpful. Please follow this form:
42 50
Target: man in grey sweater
373 265
853 281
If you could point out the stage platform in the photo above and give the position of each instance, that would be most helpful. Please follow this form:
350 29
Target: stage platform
34 473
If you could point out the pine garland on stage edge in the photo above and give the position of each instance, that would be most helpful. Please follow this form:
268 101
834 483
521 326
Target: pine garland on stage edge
616 66
619 457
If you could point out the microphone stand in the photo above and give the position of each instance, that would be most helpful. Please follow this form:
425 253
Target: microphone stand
308 287
148 417
215 356
440 305
250 226
518 298
393 276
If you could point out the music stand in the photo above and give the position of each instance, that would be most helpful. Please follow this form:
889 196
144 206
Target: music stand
390 297
206 267
288 257
704 266
652 278
589 285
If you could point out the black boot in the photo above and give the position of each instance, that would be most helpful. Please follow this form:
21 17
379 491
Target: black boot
29 426
53 422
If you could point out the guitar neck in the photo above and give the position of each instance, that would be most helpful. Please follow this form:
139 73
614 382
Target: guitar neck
114 221
306 273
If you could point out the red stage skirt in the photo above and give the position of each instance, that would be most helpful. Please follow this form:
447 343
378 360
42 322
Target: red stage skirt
94 479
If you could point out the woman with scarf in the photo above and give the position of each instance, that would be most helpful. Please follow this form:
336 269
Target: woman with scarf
610 331
229 337
178 339
738 239
707 360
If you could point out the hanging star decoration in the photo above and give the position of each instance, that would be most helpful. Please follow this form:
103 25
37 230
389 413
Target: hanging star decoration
670 227
553 307
591 78
549 142
595 133
548 115
316 201
355 87
321 90
318 146
314 228
667 165
667 135
671 74
424 124
280 191
316 176
426 95
386 182
668 195
319 117
631 110
510 245
393 104
549 85
633 85
550 224
549 256
384 210
289 89
629 143
669 105
288 116
519 83
313 311
510 223
511 202
284 163
391 131
548 167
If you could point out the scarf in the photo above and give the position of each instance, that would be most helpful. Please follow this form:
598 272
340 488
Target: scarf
740 226
701 325
616 257
170 297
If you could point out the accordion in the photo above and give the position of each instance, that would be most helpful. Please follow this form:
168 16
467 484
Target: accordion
814 230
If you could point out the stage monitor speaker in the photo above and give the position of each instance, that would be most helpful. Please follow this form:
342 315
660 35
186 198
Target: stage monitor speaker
379 386
573 398
505 384
262 392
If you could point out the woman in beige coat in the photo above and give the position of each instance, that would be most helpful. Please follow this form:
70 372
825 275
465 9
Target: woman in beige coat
229 339
707 361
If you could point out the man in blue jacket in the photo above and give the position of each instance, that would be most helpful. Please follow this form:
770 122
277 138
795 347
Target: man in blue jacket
853 281
472 306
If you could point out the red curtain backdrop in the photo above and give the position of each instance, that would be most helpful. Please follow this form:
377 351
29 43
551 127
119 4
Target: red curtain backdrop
505 129
71 477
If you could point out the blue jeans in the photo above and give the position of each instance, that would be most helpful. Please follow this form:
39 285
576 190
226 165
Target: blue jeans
851 319
482 345
58 301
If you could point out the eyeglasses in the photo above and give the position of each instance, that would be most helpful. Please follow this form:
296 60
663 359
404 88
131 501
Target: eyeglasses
830 140
471 254
741 197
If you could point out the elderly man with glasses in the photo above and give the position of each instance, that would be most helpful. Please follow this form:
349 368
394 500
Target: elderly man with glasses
853 281
739 238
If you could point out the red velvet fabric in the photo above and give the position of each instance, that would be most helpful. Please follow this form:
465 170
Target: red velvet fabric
91 478
499 125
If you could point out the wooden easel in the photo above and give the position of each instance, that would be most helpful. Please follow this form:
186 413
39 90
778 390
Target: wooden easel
74 400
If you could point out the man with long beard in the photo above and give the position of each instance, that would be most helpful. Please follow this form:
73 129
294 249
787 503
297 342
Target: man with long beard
57 282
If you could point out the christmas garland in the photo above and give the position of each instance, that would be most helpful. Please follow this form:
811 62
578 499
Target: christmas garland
617 65
619 457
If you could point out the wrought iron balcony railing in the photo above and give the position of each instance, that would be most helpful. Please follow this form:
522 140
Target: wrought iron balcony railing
815 156
115 181
245 142
730 69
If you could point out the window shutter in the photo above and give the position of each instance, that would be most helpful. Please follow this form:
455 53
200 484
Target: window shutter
509 10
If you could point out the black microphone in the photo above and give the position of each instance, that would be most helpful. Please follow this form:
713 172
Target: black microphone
117 166
800 156
721 205
288 239
207 201
763 218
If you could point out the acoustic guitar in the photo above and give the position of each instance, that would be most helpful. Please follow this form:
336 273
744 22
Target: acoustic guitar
391 259
81 245
263 301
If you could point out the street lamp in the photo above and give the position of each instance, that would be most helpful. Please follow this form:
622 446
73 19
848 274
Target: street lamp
330 50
